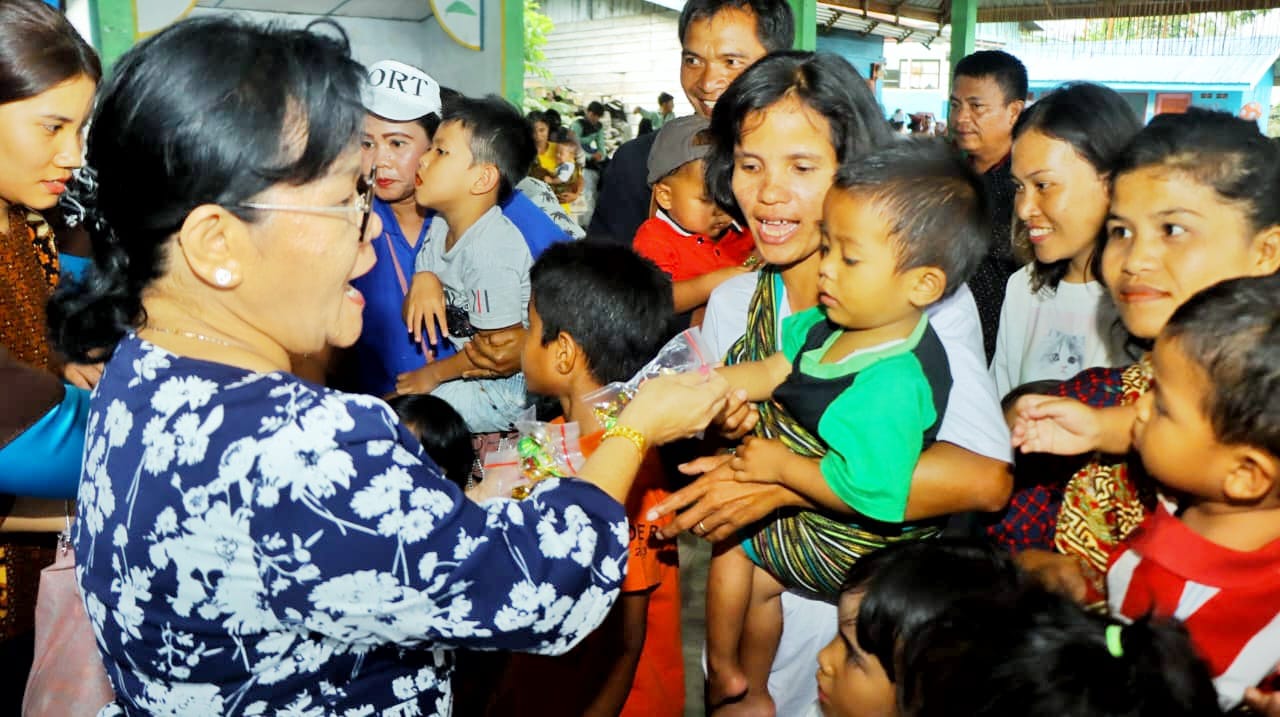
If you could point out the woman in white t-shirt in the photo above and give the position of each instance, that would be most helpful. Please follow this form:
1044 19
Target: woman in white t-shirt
1057 317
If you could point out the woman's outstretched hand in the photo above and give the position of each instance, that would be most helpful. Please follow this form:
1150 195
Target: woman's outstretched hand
668 408
716 506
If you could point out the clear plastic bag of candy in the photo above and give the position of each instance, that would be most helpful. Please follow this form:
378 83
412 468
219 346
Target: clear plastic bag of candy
688 351
539 451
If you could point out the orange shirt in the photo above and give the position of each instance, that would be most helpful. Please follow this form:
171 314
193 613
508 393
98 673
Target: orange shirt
658 689
537 686
687 256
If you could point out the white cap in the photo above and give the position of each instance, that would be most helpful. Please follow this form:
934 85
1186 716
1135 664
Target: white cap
400 92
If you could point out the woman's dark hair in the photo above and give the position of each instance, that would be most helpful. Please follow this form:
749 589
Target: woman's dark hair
207 111
825 83
442 432
1216 149
39 49
1041 654
1098 124
906 584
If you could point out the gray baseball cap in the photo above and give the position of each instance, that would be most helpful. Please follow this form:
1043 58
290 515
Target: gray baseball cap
679 142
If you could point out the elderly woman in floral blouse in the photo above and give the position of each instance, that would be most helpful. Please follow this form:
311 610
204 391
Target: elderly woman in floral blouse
249 543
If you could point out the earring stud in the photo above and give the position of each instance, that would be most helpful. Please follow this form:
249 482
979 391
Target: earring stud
222 277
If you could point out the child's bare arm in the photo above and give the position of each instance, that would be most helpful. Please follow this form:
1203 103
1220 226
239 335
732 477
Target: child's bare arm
761 460
424 304
625 626
692 293
427 378
1068 427
758 378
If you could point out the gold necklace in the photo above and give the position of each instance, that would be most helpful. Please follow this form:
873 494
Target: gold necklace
190 335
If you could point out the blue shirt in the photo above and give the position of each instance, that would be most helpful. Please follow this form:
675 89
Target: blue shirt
253 544
385 349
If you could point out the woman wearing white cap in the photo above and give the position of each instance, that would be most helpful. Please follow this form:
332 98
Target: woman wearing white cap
403 106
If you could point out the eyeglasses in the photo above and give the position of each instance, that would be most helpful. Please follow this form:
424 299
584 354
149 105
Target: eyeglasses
363 204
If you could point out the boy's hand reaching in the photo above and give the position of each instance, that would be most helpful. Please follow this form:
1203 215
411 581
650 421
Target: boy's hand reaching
739 416
761 460
1061 426
422 380
425 304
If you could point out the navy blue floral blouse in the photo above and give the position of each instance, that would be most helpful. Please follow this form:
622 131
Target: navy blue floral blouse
253 544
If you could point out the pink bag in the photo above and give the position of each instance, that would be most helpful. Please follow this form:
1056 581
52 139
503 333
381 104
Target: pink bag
67 677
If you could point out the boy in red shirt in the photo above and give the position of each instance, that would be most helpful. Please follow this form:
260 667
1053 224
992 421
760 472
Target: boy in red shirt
690 238
597 314
1209 432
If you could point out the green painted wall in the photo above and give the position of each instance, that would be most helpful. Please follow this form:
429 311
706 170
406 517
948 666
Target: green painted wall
513 51
964 24
806 13
114 28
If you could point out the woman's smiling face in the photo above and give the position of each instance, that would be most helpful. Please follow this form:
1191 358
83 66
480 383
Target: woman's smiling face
1169 236
784 163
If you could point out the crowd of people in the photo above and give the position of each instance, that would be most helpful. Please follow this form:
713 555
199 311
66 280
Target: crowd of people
995 431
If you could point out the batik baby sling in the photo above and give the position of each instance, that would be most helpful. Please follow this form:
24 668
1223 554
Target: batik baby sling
806 550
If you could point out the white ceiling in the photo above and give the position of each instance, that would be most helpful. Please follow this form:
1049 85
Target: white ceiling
383 9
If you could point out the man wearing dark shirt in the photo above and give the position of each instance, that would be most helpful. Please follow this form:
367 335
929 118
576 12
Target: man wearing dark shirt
720 39
987 95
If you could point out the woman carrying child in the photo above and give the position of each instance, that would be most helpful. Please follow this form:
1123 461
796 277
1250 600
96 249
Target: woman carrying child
1057 318
798 117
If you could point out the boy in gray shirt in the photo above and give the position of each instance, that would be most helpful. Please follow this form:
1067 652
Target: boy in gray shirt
472 269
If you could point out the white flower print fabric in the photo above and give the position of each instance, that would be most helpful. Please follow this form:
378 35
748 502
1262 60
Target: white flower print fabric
253 544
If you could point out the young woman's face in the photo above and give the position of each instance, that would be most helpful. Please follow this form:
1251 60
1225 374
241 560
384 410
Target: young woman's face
1060 198
1168 237
41 142
540 133
852 683
394 148
783 165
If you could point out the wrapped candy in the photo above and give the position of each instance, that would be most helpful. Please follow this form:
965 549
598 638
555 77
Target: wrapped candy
540 451
688 351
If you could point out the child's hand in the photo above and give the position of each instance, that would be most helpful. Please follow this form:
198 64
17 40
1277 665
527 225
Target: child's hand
1264 703
1061 426
422 380
82 375
424 304
760 460
739 416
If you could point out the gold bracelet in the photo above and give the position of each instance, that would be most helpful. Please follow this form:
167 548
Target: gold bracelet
627 432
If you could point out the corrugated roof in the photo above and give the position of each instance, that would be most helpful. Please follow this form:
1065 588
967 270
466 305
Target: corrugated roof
867 23
1241 62
939 11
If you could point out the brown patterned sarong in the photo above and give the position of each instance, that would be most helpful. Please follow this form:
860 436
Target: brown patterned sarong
29 273
1106 499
